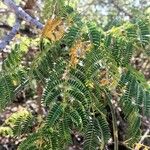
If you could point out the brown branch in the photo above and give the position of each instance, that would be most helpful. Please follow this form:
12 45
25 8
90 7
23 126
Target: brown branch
20 14
21 31
5 41
5 26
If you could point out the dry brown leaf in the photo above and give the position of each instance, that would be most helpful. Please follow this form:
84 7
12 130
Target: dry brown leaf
78 51
104 82
53 29
74 53
40 142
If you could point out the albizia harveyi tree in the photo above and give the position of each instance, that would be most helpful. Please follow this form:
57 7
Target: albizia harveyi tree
92 96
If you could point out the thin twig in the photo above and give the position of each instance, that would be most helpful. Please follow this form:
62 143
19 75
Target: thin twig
114 120
21 86
20 13
5 41
144 136
21 31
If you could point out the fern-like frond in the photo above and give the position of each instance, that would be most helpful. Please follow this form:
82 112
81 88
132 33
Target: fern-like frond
21 122
91 137
76 118
14 59
30 142
6 90
65 131
81 109
133 131
94 35
54 115
9 83
146 102
143 31
72 34
6 131
103 130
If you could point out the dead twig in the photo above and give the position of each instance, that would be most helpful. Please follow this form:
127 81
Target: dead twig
20 14
5 41
21 31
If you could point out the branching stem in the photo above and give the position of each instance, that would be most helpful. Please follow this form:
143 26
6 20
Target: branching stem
114 120
5 41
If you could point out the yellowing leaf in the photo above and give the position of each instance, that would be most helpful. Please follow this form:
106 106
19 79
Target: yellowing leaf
40 142
15 82
59 33
53 29
90 84
139 146
104 82
6 131
74 53
113 84
78 51
18 35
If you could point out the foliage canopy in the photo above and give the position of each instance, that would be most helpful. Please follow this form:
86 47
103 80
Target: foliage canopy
87 78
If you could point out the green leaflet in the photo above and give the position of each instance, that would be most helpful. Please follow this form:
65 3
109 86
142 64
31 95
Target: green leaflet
54 115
